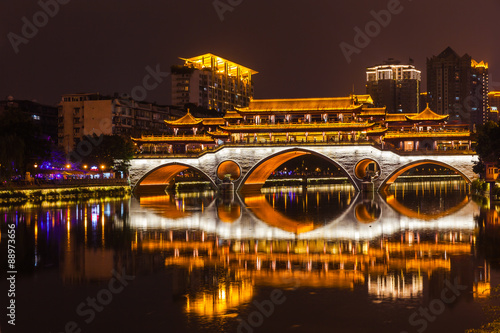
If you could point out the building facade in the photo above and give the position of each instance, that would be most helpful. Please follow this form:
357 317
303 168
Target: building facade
494 99
394 86
458 85
494 103
43 115
92 113
211 82
478 103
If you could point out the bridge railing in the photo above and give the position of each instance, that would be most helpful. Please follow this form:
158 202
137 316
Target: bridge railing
385 147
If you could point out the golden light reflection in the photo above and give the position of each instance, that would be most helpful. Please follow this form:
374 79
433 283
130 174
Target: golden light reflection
263 210
312 264
396 286
403 210
229 212
227 297
482 289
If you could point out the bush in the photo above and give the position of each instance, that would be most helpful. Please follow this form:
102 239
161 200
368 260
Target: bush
479 185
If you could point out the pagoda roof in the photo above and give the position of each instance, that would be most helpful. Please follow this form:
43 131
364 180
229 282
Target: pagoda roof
372 112
364 99
218 134
173 139
186 121
377 131
303 127
213 121
427 115
301 105
233 115
395 117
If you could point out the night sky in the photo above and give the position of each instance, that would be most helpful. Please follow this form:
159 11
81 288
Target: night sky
104 46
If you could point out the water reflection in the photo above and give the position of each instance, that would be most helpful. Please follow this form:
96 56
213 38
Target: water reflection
395 247
334 212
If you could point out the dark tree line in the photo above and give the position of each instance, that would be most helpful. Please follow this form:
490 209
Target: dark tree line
488 145
21 144
108 150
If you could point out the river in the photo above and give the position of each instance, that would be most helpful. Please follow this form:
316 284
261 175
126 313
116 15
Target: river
420 257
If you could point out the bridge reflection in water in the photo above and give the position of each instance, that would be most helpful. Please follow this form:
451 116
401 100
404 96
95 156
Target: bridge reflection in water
334 237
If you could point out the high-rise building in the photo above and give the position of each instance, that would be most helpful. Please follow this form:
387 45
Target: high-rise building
478 103
494 99
458 85
494 103
91 113
211 82
395 86
424 100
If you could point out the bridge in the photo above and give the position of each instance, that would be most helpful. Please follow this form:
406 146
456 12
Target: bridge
251 165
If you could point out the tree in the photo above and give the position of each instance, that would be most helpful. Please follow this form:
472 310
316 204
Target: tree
110 151
488 145
21 143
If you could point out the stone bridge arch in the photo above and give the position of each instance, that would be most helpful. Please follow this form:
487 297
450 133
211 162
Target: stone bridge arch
391 178
257 175
156 180
256 163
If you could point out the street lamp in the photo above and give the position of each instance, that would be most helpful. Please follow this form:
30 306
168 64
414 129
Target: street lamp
68 166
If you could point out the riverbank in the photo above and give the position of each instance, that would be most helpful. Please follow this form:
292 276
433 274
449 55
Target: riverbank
37 194
482 189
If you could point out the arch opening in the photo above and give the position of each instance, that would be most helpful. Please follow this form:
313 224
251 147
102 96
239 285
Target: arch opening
392 178
166 176
228 169
367 167
257 175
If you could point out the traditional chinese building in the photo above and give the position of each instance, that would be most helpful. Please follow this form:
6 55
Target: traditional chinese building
339 120
187 136
425 131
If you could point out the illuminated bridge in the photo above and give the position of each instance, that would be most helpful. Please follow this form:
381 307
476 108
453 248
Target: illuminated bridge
251 165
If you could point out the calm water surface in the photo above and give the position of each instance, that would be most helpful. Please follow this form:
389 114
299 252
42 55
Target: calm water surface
421 257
